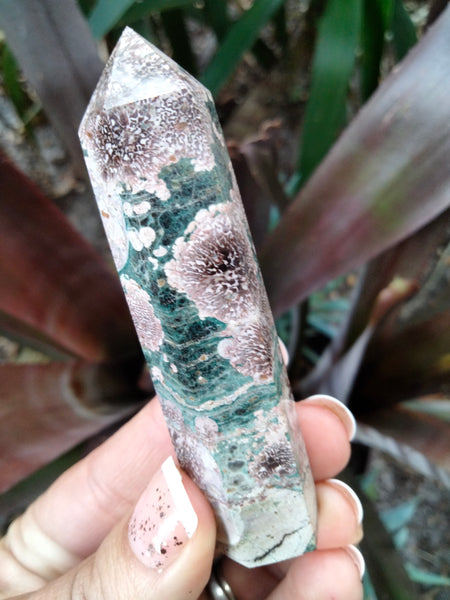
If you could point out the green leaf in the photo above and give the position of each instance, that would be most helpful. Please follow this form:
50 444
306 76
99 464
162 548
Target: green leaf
425 577
438 407
386 8
384 563
106 14
143 9
372 38
239 38
401 538
369 483
386 177
11 81
397 517
175 28
404 32
333 64
217 16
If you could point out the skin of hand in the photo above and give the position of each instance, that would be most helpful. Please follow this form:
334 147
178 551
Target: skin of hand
88 535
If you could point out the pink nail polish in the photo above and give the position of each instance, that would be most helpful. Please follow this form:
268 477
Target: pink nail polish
357 559
352 495
284 351
339 409
163 519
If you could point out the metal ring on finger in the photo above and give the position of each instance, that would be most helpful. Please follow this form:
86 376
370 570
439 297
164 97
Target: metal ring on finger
218 588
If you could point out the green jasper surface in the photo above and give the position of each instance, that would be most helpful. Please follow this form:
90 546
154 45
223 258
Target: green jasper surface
179 237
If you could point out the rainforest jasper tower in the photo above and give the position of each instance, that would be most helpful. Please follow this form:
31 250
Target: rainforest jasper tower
177 229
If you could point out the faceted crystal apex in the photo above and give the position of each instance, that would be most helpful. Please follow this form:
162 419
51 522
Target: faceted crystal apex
146 113
138 70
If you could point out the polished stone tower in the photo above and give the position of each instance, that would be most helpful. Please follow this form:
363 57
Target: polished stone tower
179 237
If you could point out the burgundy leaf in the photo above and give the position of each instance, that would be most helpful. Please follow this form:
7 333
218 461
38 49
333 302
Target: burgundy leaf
47 409
387 176
54 281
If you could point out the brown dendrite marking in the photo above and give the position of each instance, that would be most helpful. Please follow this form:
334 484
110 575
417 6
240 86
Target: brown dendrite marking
276 459
215 268
148 326
131 143
249 349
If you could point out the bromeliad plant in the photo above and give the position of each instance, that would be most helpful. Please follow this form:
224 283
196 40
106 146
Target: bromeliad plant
374 209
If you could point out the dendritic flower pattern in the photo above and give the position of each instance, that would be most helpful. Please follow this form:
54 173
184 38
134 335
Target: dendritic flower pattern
148 326
207 430
129 140
276 459
214 266
132 140
249 348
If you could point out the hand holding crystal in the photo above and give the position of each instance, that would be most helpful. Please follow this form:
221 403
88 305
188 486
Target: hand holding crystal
102 532
126 522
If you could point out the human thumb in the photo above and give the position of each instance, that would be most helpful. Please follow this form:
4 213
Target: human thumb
165 550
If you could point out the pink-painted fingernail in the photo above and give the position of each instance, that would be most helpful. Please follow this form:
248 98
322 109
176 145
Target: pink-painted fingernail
339 409
357 559
163 519
284 351
351 494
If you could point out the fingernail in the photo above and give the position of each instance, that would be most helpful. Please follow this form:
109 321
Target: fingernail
163 519
339 409
350 493
357 559
284 351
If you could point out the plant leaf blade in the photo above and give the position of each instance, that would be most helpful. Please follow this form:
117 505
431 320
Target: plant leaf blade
66 302
48 408
387 176
333 64
238 39
106 14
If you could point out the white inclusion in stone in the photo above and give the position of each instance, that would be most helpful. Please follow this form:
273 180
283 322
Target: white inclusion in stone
156 374
148 326
147 236
127 209
208 430
110 208
135 240
142 207
161 251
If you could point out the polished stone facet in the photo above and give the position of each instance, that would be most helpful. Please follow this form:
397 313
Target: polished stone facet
177 229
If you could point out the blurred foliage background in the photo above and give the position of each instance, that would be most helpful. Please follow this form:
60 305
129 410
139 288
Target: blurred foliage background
337 120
